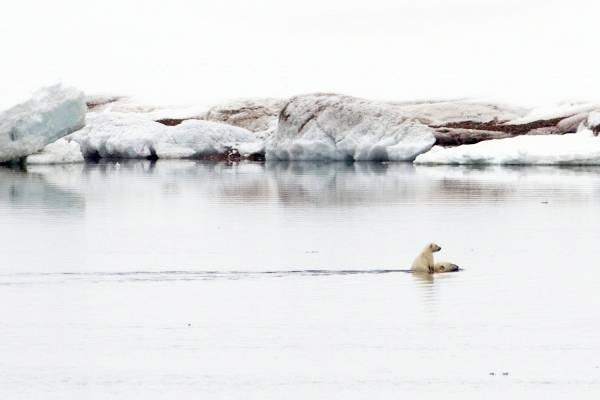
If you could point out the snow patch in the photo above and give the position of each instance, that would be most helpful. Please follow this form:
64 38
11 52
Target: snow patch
128 105
581 148
561 110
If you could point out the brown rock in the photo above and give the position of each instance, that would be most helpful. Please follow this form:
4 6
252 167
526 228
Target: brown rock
470 132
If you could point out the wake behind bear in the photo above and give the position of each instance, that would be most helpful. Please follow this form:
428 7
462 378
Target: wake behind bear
425 263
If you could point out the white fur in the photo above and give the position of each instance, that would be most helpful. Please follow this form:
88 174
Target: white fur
425 263
444 266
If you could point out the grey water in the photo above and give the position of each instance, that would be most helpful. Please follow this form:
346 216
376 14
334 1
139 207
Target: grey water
258 281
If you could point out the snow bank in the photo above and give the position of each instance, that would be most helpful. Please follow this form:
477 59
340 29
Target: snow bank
50 114
117 135
581 148
63 151
336 127
554 111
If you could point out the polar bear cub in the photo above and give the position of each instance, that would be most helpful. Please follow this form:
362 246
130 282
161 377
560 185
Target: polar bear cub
424 261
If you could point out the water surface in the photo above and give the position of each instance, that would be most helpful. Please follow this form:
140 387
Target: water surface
155 280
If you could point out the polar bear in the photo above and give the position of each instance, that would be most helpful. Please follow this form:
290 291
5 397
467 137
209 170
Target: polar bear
444 266
424 261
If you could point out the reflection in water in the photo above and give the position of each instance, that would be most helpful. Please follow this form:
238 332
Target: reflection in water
423 277
21 189
317 184
426 285
339 184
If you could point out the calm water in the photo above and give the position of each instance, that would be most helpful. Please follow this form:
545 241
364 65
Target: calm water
179 280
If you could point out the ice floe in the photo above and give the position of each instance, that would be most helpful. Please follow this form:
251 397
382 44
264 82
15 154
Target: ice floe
336 127
50 114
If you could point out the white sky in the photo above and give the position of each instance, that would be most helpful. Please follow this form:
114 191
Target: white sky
182 51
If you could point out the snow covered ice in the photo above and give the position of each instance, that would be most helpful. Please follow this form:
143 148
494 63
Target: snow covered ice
323 127
50 114
582 148
335 127
593 121
118 135
63 151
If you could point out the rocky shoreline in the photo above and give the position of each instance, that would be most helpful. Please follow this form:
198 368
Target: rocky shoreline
319 126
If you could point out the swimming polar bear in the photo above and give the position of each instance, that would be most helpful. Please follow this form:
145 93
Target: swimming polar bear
444 266
424 261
